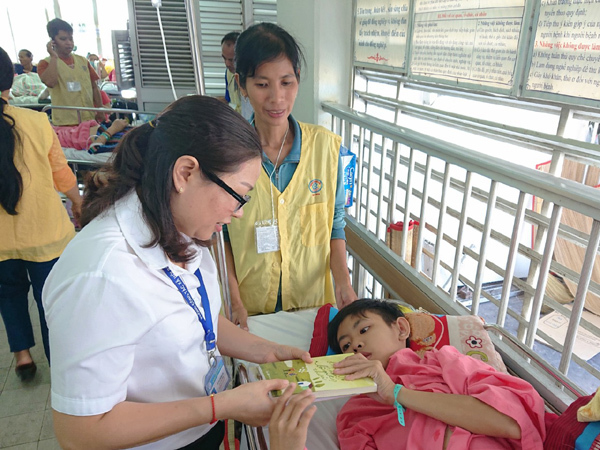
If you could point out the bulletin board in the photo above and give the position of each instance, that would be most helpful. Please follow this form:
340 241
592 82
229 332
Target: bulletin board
548 49
565 52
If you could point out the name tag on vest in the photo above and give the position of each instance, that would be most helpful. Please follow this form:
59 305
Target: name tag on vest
267 236
73 86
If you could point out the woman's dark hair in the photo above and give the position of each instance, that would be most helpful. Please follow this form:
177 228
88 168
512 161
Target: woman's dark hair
202 127
261 43
27 52
56 25
11 183
388 311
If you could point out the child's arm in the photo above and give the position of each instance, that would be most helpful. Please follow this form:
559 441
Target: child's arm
461 411
453 409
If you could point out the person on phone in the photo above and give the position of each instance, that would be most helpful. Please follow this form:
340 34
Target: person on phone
69 77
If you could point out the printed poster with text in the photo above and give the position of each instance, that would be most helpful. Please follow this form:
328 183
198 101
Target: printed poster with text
566 51
381 32
467 41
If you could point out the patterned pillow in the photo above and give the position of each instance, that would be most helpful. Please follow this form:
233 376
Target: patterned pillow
428 331
466 333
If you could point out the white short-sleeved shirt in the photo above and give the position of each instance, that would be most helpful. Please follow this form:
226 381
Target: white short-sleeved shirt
119 328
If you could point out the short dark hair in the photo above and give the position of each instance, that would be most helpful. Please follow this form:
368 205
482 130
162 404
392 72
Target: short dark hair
265 42
27 52
230 37
388 311
56 25
199 126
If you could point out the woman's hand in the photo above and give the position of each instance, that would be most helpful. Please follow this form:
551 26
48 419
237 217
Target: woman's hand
290 419
286 352
76 210
344 295
357 366
249 403
239 315
50 49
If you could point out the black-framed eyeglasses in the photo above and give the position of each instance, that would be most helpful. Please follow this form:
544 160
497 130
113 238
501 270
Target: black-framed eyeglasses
241 199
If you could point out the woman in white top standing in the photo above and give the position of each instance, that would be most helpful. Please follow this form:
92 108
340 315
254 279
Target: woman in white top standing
133 304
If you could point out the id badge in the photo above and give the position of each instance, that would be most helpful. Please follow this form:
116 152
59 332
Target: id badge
217 378
267 236
73 86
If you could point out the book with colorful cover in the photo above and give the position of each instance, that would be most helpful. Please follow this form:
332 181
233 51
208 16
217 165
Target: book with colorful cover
317 376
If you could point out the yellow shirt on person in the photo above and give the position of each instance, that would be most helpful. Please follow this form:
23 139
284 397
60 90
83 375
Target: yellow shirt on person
42 228
74 88
305 212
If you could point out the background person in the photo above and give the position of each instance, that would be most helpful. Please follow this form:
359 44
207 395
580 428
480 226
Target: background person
300 188
71 79
98 65
232 90
131 355
25 63
35 225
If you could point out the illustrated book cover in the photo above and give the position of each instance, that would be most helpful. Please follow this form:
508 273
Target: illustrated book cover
317 376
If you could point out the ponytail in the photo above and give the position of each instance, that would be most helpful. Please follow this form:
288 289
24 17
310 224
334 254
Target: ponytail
11 182
106 186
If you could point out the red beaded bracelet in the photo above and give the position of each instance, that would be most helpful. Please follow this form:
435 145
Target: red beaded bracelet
214 417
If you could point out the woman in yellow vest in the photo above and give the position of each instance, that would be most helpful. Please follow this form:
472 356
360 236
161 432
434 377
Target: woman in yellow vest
283 252
34 224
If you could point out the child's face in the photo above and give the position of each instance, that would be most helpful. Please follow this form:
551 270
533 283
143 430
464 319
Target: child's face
372 336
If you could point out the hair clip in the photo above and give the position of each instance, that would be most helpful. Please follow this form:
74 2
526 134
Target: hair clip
152 123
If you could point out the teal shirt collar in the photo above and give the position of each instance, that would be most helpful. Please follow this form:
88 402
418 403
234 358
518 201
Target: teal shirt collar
294 155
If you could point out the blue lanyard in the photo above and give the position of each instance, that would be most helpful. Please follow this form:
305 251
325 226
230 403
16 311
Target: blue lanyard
209 334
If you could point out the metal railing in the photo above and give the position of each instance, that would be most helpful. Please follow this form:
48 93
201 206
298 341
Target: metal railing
473 209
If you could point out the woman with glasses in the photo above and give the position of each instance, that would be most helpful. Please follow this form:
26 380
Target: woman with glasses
283 253
133 304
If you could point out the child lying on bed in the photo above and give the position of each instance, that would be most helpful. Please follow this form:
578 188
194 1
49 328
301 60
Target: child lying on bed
91 135
446 400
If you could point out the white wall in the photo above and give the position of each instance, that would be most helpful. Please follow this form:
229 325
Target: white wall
328 72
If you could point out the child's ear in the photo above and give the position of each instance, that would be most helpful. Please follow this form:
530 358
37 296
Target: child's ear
403 328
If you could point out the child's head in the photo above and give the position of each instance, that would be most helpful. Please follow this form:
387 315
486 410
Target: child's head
375 328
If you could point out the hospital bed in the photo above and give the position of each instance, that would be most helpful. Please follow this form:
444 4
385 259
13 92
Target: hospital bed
290 328
296 328
79 158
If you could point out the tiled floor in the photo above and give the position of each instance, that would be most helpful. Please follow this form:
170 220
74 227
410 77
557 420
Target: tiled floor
25 414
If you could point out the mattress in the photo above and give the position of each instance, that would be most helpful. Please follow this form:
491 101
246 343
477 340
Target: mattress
295 328
83 157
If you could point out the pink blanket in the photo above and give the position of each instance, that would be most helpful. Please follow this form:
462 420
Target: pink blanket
77 136
364 423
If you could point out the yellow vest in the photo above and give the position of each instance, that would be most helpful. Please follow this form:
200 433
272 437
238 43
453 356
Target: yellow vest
234 92
42 229
304 212
61 96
